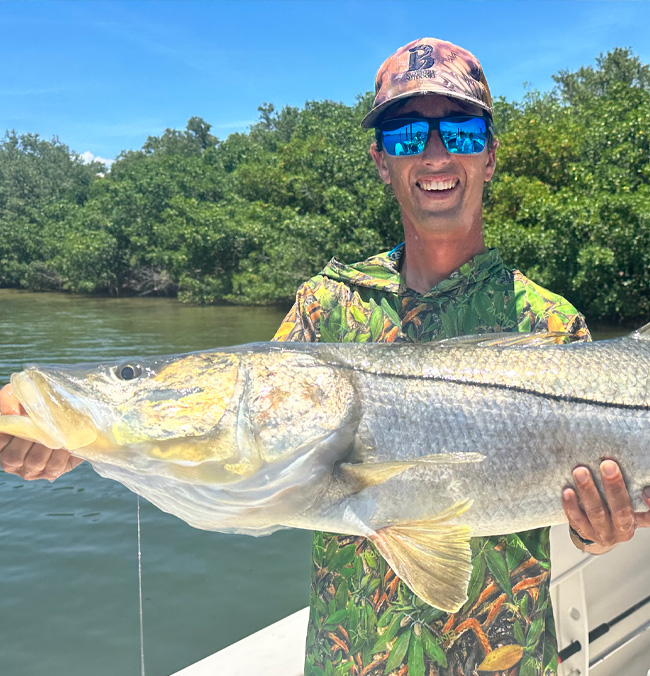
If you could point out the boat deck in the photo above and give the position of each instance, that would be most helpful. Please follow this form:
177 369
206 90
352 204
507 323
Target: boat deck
588 591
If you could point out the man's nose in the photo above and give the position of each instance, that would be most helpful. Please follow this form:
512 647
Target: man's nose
435 149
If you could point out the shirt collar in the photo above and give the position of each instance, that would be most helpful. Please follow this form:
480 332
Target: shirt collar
476 271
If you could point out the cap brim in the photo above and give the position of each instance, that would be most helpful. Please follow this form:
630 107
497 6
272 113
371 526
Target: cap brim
370 120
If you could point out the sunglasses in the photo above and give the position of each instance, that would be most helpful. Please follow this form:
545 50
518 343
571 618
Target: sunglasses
461 134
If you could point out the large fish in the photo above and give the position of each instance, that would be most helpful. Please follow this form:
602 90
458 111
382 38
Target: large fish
415 446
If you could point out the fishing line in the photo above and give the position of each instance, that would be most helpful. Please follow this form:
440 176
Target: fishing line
140 592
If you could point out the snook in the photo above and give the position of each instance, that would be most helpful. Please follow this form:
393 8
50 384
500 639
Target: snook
416 446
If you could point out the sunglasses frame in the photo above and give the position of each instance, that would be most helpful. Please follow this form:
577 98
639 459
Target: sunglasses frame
434 124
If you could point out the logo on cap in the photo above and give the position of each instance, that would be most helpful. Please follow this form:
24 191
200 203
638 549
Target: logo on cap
420 61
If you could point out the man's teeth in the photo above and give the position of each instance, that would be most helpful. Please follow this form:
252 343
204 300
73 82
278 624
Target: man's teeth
438 185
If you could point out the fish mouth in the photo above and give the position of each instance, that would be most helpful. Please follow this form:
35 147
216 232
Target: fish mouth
63 418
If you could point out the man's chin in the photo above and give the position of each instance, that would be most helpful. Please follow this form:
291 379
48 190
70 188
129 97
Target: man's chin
439 218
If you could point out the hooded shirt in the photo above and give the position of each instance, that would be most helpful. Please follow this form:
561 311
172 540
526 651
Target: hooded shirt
363 618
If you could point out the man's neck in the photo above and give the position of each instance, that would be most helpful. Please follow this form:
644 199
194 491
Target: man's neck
428 260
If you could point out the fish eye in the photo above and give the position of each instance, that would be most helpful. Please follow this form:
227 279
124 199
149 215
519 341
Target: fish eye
128 371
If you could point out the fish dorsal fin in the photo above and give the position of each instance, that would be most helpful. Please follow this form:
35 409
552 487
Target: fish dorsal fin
358 476
431 556
507 339
641 334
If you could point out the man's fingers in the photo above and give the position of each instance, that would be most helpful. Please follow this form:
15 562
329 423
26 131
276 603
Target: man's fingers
4 440
13 455
72 462
620 506
594 507
605 521
9 404
35 462
57 464
643 518
575 516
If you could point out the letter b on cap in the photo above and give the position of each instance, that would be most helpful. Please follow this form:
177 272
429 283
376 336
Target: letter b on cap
420 61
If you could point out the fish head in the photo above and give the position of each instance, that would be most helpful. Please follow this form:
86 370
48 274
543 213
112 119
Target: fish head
142 411
237 439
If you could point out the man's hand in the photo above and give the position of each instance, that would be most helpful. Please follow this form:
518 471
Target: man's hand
605 522
25 458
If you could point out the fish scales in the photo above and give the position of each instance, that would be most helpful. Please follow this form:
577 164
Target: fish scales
416 446
530 444
589 403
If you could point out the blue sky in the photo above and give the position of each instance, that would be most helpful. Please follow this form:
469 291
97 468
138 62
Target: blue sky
102 76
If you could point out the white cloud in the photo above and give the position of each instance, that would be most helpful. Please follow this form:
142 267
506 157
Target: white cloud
87 157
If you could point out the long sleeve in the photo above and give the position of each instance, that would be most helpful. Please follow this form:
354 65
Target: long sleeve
302 320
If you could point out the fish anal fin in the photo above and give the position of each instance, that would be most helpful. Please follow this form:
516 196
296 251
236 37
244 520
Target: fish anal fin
358 476
431 556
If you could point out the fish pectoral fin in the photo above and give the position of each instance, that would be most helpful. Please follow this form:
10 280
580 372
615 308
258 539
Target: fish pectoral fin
358 476
23 427
432 557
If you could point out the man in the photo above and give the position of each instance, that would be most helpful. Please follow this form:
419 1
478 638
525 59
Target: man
440 283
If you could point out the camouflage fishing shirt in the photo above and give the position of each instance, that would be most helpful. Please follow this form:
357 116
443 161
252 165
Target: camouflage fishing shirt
363 620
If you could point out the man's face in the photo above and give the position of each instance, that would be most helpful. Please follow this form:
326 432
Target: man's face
439 192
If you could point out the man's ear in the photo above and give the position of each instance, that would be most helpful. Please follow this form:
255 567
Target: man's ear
380 162
491 160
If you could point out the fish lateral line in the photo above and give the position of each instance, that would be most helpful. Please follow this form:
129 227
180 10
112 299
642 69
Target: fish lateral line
496 386
542 395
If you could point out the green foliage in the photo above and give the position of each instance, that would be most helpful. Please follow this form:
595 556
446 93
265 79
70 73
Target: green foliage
41 185
570 202
190 143
247 219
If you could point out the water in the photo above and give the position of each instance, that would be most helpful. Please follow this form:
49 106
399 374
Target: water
68 549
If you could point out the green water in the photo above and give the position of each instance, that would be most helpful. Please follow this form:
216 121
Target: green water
68 549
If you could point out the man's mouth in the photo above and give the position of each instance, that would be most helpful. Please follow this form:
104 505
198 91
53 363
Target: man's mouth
438 186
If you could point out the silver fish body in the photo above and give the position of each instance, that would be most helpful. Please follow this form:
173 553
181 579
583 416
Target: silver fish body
416 446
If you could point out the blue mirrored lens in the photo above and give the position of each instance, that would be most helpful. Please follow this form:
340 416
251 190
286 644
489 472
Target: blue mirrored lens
465 136
406 139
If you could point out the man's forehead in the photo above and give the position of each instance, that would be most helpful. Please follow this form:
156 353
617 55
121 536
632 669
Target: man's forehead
432 105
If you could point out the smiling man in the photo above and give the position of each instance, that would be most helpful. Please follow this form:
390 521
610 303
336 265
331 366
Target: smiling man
440 192
432 116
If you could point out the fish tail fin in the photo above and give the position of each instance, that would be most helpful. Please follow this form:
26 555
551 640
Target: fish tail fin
431 556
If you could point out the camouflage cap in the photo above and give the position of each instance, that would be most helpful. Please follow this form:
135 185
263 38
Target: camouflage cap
429 66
